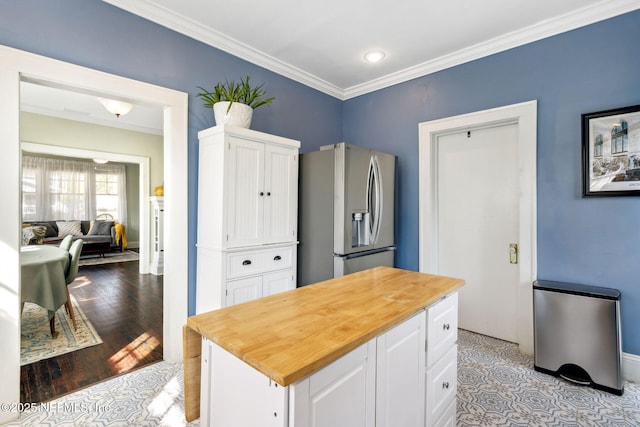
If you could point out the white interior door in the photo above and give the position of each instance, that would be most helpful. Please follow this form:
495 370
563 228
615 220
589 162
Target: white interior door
477 219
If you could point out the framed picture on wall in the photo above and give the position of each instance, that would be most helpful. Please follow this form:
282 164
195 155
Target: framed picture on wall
611 152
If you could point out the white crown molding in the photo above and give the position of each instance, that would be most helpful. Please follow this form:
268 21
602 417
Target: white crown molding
588 15
576 19
183 25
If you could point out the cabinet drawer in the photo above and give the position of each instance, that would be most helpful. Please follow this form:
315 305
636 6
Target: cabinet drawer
442 328
448 419
245 263
258 261
278 258
442 385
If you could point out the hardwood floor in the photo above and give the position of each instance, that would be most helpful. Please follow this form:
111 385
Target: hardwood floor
125 308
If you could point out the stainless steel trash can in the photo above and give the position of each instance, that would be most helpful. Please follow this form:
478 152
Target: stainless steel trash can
577 334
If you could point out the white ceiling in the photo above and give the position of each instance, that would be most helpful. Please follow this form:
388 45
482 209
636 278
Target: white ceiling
67 103
322 43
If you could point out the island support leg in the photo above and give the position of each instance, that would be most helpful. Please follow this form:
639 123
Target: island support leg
191 350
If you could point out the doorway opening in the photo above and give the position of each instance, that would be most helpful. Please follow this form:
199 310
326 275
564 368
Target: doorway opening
19 65
69 120
524 117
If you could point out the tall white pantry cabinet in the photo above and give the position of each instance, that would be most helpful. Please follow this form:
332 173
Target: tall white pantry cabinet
247 216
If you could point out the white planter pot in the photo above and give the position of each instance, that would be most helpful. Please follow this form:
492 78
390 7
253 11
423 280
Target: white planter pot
239 115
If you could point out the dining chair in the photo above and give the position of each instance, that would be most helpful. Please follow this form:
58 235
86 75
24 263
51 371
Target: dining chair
66 242
74 253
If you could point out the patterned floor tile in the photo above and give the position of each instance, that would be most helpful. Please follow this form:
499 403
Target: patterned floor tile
151 396
497 386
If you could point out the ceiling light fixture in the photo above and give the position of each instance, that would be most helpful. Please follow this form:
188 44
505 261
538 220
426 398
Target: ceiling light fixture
101 161
118 108
374 56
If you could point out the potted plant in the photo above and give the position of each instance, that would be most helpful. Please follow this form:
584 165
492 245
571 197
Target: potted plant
233 103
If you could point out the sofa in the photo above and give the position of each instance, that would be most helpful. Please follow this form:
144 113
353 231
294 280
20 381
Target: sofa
99 236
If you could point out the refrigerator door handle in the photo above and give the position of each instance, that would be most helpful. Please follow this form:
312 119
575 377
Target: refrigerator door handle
374 198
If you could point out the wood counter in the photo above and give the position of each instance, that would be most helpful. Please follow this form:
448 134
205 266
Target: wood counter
292 334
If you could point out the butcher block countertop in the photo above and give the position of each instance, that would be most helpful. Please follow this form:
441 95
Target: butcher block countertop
288 336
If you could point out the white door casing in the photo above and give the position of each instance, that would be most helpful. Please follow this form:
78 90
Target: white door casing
15 65
525 116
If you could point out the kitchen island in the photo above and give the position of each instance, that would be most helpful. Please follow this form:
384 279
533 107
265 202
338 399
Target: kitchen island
355 350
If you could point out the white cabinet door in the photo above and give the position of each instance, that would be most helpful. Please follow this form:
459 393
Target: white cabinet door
277 282
342 394
280 183
233 394
262 193
400 393
245 193
243 290
442 386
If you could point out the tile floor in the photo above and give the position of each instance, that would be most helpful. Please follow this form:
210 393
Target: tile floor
497 386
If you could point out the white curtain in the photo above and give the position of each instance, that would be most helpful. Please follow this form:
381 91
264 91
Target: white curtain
65 189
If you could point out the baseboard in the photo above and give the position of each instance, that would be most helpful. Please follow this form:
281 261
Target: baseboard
631 367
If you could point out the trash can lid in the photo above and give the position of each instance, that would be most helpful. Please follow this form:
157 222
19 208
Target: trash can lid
577 289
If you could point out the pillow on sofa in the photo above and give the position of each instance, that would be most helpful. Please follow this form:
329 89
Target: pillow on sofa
50 229
68 227
33 235
100 228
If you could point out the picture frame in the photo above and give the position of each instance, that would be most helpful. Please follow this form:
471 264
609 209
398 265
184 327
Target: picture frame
611 152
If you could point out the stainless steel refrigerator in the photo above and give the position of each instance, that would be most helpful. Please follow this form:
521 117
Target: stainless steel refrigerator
346 211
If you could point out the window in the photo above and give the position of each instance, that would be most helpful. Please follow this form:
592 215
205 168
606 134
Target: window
29 205
67 194
597 146
107 194
69 189
619 138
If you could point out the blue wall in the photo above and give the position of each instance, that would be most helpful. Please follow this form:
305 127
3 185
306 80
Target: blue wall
591 241
97 35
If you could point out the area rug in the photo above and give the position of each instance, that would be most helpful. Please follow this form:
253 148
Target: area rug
36 342
109 258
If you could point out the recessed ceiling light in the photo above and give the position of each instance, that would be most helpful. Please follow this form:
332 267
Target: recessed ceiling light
374 56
